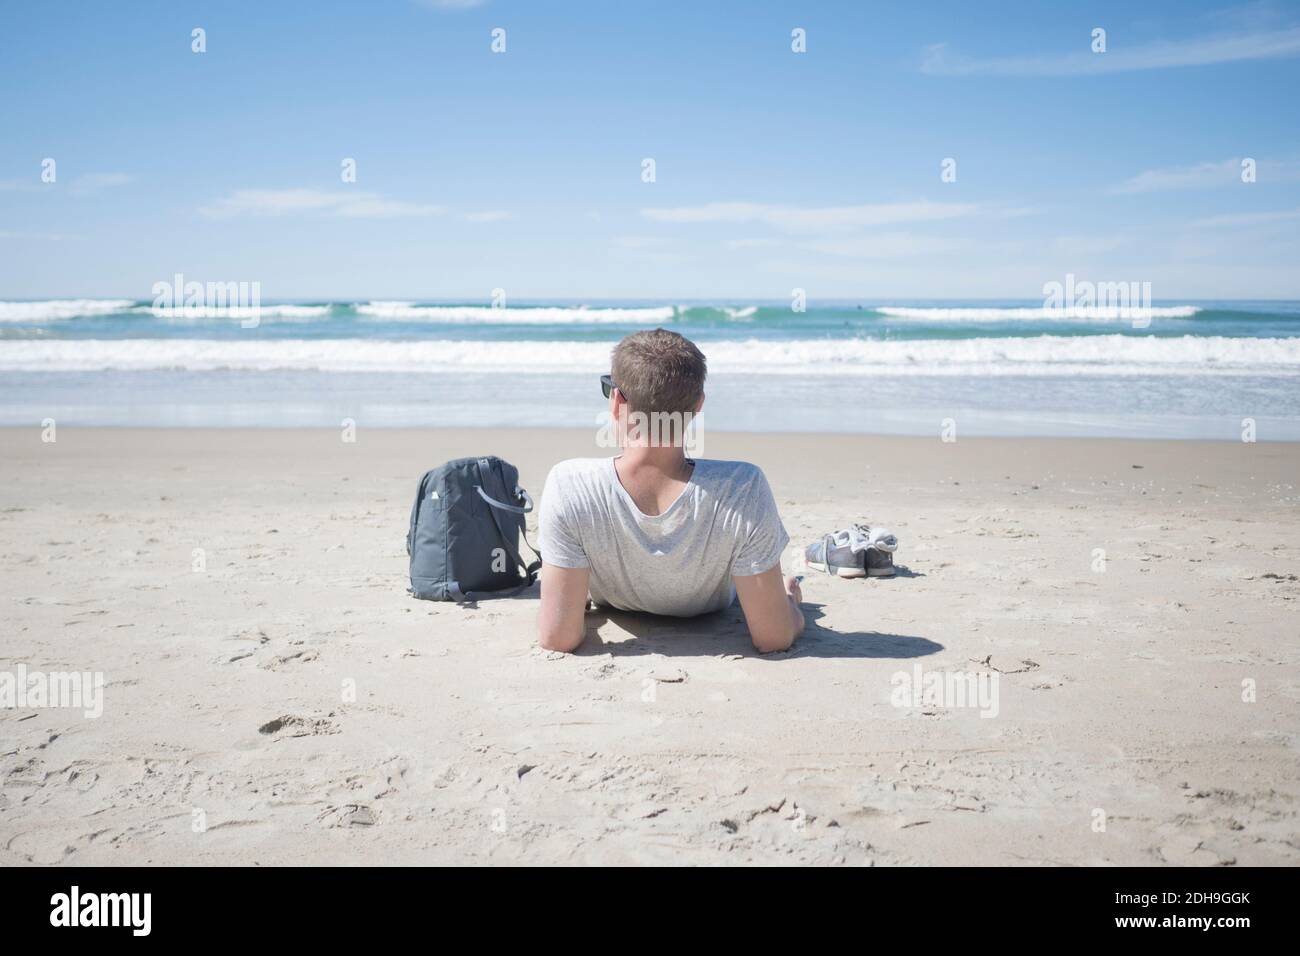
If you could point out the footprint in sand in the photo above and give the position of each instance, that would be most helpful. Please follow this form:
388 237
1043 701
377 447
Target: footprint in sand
291 726
601 671
298 657
668 675
350 815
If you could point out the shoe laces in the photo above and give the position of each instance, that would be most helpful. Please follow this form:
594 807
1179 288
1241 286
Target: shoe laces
885 539
854 538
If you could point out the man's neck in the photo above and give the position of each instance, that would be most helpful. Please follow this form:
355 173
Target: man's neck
669 461
654 477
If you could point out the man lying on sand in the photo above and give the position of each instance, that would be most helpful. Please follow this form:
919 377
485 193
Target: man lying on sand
653 530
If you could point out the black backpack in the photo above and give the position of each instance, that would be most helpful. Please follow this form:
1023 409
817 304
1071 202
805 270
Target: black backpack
466 524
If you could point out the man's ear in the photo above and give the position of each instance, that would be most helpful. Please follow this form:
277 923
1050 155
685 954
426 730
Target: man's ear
618 409
618 413
700 404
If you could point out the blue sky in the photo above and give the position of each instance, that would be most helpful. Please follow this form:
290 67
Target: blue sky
523 170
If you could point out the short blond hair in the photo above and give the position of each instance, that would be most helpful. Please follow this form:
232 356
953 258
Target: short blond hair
659 371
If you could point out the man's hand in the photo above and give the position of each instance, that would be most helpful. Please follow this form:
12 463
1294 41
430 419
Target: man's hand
771 609
795 592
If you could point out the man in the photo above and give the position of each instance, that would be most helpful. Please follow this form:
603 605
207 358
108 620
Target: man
653 530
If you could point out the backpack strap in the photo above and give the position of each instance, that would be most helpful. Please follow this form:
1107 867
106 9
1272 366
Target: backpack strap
502 505
514 509
468 597
485 474
415 513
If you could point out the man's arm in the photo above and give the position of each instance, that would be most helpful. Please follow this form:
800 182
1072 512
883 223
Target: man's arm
560 625
771 609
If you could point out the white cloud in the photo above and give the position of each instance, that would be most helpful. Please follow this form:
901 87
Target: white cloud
37 236
813 218
881 245
749 243
1089 245
1199 176
1207 175
86 185
1119 58
488 215
95 182
281 202
640 242
1247 219
887 246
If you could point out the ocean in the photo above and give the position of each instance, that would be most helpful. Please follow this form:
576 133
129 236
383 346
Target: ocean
1194 369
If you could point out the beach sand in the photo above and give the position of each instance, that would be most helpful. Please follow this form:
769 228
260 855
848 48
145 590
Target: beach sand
290 704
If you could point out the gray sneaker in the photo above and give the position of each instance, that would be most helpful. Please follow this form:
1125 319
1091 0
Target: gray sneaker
839 553
878 554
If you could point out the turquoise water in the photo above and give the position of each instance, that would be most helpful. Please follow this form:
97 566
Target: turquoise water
1185 369
597 321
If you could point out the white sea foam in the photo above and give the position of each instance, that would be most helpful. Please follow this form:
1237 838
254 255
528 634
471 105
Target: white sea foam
1042 355
1031 314
55 309
197 313
488 315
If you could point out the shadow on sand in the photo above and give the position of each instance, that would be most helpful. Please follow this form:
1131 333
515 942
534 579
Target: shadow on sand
724 633
903 571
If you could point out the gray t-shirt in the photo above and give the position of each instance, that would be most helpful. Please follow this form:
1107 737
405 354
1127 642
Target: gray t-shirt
680 562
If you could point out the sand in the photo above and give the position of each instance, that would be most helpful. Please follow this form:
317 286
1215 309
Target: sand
288 703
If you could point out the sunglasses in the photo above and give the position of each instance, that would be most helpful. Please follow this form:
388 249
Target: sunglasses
607 385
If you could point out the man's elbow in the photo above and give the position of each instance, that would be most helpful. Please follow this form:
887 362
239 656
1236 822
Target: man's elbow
553 639
771 642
